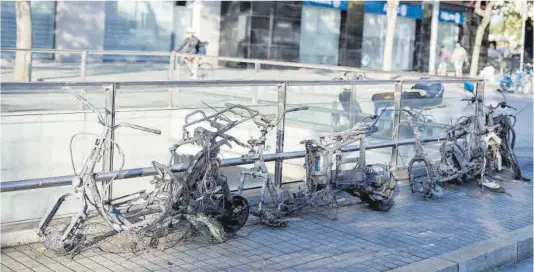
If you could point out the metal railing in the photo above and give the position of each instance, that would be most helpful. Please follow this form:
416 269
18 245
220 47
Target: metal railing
85 53
278 157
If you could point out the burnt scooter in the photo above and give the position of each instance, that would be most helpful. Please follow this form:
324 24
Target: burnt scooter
373 183
206 190
464 153
500 137
283 202
422 175
504 129
117 214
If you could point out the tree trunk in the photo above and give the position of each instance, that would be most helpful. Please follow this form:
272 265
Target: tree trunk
23 59
392 6
478 38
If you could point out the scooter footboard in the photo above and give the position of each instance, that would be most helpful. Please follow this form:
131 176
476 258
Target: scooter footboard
45 221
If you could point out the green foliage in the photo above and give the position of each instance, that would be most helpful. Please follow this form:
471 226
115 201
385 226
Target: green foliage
510 27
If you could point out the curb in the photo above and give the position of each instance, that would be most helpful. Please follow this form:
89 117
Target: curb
483 256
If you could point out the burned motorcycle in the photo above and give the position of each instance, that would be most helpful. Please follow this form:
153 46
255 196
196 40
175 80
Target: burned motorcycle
422 175
462 152
117 214
468 149
283 201
500 136
373 183
206 191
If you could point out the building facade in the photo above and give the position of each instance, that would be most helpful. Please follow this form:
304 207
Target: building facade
349 33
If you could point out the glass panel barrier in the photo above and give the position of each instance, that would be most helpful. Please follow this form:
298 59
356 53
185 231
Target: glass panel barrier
329 111
147 108
437 106
37 126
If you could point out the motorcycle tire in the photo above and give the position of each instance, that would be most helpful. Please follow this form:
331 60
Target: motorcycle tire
418 172
384 204
511 160
237 211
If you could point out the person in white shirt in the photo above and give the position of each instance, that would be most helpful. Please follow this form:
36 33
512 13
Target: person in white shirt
459 57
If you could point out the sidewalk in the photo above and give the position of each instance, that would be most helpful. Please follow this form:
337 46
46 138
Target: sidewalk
414 230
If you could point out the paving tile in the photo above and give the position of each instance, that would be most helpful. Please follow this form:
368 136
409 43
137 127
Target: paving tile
360 238
5 268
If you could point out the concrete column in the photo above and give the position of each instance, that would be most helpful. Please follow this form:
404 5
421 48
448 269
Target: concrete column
206 21
522 43
392 6
80 25
433 38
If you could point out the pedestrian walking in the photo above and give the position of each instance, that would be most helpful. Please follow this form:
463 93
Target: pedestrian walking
443 60
459 57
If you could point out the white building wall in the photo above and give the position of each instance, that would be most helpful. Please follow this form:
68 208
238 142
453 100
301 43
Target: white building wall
206 21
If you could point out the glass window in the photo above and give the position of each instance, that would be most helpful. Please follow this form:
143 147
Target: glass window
43 25
263 8
288 9
260 33
259 51
286 53
447 37
374 38
319 38
286 31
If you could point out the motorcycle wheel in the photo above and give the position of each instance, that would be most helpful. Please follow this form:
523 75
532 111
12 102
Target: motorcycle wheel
510 159
383 204
237 211
427 185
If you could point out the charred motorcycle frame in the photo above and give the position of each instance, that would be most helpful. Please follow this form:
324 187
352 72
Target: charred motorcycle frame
284 201
373 184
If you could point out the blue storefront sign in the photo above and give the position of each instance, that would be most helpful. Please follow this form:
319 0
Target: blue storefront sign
404 10
336 4
449 16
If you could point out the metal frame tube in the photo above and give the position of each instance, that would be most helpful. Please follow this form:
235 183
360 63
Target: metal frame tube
211 83
28 184
219 58
396 122
256 92
280 129
111 94
83 65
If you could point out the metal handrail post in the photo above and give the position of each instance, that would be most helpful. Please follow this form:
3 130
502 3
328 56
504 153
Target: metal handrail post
111 94
83 65
479 107
282 95
352 106
172 65
83 72
172 69
256 92
397 99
